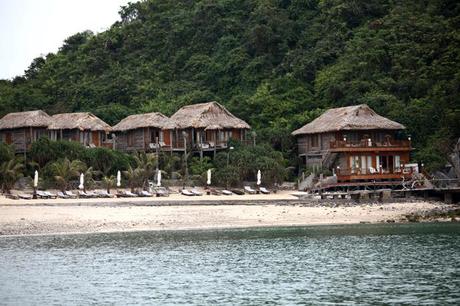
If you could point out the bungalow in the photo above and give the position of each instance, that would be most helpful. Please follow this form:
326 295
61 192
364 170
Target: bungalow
356 143
206 127
85 128
22 128
144 132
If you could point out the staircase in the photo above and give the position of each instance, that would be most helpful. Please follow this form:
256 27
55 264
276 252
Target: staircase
329 159
307 182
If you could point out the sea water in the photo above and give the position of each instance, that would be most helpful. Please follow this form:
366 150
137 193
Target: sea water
352 264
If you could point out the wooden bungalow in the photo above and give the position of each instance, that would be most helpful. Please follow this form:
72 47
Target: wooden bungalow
23 128
207 127
144 132
85 128
356 143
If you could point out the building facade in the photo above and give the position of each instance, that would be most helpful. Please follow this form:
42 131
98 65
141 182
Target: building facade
356 144
23 128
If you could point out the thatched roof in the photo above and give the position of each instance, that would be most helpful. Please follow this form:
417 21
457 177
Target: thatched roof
207 115
81 121
357 117
156 120
36 118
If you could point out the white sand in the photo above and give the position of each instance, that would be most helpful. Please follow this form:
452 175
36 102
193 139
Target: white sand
32 217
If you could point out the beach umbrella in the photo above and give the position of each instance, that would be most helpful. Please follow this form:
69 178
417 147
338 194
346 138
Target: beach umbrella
118 178
209 177
159 178
259 177
82 181
36 179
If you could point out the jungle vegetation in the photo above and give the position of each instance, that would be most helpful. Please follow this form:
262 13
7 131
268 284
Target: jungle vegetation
275 63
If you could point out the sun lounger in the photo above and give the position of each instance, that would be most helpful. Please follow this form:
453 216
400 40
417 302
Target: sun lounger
126 194
42 195
87 195
187 193
11 196
104 194
215 192
51 195
25 196
61 195
196 192
249 190
70 194
227 192
144 193
237 191
264 190
161 192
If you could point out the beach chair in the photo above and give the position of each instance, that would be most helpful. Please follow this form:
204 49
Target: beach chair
50 195
129 194
187 193
25 196
249 190
11 196
215 192
82 194
237 191
196 192
42 195
61 195
144 193
264 190
227 192
161 192
104 194
70 194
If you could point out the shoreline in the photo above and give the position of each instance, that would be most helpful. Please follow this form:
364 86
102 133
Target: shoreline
123 216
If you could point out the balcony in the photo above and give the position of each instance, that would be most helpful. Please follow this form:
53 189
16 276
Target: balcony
368 145
370 174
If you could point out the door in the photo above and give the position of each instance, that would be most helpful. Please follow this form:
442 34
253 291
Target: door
96 138
167 137
8 138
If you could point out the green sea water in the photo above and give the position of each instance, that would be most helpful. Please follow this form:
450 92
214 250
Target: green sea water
345 265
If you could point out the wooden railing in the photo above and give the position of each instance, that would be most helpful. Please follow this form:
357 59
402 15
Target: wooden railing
373 172
366 143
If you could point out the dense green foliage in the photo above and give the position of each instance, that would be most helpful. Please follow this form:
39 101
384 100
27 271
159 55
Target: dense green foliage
274 63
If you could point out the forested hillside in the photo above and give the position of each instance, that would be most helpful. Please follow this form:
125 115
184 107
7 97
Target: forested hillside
275 63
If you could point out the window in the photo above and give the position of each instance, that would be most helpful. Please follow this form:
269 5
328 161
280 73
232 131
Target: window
314 140
397 161
130 138
153 136
67 134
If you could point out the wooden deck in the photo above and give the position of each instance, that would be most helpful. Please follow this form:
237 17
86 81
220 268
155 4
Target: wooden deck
370 146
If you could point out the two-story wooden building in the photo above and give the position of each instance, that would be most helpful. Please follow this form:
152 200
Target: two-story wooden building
206 127
23 128
144 132
84 128
356 143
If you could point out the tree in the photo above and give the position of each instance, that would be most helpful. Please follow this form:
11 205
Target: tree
10 173
64 170
108 182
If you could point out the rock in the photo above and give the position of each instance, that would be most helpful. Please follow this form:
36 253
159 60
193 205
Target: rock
390 221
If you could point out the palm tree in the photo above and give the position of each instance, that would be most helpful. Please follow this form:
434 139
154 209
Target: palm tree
134 177
108 182
10 173
146 166
90 173
64 170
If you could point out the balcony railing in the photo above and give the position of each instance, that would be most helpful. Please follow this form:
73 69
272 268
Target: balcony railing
367 143
402 171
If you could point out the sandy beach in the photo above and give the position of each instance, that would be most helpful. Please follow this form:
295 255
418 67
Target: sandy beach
20 217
